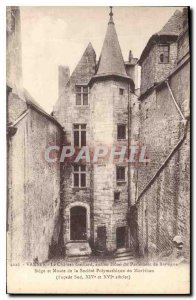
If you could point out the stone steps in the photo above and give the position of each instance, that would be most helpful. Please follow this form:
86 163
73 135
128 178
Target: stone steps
122 250
78 249
124 254
125 258
78 256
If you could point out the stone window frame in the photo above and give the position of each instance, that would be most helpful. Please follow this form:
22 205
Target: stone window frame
80 95
163 52
125 128
120 180
82 170
79 128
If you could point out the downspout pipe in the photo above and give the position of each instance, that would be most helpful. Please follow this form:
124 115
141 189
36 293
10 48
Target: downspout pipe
173 98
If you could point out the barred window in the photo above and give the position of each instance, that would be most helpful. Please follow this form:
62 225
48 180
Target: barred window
81 95
79 135
163 54
79 175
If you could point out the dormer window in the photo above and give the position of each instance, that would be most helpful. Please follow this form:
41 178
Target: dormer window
163 54
81 95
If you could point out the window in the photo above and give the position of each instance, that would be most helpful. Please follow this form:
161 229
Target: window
81 95
164 54
116 196
79 174
79 135
146 113
120 173
121 134
121 91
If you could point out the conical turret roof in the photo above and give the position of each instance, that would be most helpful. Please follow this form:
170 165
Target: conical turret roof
111 60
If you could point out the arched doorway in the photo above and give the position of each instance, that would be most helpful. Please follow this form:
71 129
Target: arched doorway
78 223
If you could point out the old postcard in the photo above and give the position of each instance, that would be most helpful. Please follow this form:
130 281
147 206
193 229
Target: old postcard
98 150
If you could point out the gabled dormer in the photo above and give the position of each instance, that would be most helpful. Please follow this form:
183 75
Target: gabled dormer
159 57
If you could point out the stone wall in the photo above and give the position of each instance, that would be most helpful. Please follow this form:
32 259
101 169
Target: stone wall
33 185
148 70
134 142
65 109
108 109
163 210
183 44
68 113
16 186
152 71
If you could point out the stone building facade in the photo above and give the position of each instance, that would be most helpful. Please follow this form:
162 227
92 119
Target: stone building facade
163 200
103 93
33 199
108 204
150 205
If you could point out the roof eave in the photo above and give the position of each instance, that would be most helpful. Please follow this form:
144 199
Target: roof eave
112 76
156 38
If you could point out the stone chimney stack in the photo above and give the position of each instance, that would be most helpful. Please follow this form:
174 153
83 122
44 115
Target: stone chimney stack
130 56
64 75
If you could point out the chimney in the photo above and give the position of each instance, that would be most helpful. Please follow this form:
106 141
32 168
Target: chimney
64 75
130 56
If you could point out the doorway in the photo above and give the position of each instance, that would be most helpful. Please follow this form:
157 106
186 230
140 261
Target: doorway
78 223
101 238
121 237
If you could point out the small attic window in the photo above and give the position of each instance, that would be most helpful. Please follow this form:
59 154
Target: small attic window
163 54
121 91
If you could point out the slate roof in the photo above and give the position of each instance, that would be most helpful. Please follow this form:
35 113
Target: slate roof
174 25
32 103
171 29
111 60
85 69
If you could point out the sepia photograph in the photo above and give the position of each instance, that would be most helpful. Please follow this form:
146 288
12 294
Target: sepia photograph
98 149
